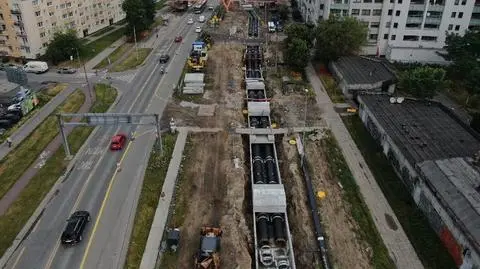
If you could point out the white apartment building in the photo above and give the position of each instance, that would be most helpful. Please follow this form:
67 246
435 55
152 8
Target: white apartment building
36 21
401 30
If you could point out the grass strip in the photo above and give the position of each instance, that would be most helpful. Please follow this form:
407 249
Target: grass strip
115 55
366 230
43 97
160 4
427 244
332 89
147 204
102 31
132 60
22 157
20 211
97 46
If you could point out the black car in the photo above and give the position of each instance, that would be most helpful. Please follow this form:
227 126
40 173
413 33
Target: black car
75 226
66 70
164 58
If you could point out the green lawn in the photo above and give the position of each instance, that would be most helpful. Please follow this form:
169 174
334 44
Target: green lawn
148 201
22 157
115 55
367 231
332 88
160 4
20 211
427 244
132 60
95 47
102 31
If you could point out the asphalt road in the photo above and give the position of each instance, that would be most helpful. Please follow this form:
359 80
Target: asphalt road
95 186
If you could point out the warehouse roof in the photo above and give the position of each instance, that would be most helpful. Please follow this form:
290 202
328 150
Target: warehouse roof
457 184
363 70
422 130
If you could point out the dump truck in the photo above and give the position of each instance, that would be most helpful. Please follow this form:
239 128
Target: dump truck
208 256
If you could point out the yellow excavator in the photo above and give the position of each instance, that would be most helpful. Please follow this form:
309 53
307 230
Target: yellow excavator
208 256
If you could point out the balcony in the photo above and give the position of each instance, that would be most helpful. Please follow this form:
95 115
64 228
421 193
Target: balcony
15 11
476 9
417 7
437 8
21 34
414 19
430 20
18 23
474 22
339 6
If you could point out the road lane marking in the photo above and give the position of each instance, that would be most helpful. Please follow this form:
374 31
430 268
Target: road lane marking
18 258
102 207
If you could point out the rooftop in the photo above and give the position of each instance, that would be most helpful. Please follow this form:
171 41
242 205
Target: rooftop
457 185
363 70
423 130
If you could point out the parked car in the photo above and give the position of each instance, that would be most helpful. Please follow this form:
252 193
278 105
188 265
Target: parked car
211 8
198 29
75 226
36 67
118 141
66 70
178 39
201 19
190 21
164 58
16 106
20 96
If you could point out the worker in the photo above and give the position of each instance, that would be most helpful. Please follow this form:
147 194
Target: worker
9 142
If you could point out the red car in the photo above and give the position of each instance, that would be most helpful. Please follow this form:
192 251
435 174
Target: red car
118 141
178 39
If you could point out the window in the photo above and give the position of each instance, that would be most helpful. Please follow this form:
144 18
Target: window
454 14
395 25
35 2
42 34
410 38
54 24
69 4
102 21
388 24
460 15
393 37
377 12
397 13
374 24
44 45
457 27
62 6
81 13
70 14
429 38
367 1
390 12
464 2
37 13
378 1
40 24
79 4
49 4
450 27
385 36
400 1
27 49
344 12
365 12
355 12
456 2
64 16
373 36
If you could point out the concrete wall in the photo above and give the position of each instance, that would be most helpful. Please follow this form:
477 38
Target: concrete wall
406 54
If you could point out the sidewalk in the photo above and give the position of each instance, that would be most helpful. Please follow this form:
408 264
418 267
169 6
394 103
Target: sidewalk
396 241
53 146
102 55
27 127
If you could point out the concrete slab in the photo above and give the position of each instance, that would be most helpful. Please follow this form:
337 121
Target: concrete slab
206 110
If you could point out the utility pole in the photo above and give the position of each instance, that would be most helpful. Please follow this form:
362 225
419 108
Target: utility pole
68 155
135 37
85 73
159 133
305 118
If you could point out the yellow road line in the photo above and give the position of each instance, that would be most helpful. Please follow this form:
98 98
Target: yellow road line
18 258
102 207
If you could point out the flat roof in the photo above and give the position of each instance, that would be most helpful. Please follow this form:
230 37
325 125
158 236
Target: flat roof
422 130
269 198
7 86
363 70
457 183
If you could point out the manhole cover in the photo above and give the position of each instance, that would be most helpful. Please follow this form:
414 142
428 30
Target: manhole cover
391 222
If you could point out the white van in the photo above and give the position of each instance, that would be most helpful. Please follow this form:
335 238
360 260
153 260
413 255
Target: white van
201 19
271 27
36 67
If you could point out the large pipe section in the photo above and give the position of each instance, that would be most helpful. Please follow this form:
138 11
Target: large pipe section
262 229
279 228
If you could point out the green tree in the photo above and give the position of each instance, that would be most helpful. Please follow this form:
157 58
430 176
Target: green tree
297 53
63 46
283 11
140 15
422 82
475 122
464 52
339 36
300 31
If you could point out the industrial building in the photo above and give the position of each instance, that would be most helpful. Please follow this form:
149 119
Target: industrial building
26 26
401 30
362 74
272 238
436 155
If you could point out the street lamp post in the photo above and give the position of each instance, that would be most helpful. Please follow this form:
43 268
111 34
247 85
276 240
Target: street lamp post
84 72
305 118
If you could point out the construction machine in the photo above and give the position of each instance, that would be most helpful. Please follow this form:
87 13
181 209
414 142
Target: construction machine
208 256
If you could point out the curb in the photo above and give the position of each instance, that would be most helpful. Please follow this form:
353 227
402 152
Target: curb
46 200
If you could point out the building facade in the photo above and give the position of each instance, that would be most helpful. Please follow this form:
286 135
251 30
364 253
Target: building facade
27 26
402 30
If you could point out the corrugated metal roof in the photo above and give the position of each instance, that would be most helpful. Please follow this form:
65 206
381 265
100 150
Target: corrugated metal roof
362 70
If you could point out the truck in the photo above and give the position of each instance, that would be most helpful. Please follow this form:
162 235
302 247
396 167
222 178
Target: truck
36 67
207 256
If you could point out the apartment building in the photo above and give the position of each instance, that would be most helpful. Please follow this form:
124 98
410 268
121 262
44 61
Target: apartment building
402 30
27 26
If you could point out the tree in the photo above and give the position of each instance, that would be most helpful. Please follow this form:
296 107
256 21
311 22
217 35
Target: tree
140 14
422 82
63 46
299 31
338 37
297 53
475 122
283 11
464 52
